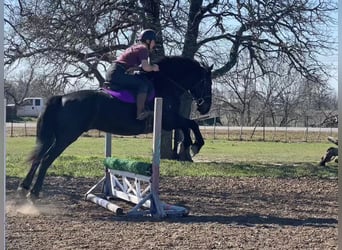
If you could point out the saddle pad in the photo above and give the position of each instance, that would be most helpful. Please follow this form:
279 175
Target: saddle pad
126 96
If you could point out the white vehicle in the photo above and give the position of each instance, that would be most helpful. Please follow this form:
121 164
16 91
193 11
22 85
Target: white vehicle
31 106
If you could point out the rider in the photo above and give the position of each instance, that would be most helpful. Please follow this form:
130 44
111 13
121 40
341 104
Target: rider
122 73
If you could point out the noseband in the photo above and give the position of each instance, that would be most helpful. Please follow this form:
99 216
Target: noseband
199 101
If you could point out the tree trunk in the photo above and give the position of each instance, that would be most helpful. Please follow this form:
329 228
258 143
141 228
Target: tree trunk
152 20
189 50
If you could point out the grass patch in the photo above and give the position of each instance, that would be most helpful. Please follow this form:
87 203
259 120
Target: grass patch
256 169
222 158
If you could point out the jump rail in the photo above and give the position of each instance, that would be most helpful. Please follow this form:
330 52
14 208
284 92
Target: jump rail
136 182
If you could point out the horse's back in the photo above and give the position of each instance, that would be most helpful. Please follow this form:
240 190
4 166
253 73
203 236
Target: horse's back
95 109
84 95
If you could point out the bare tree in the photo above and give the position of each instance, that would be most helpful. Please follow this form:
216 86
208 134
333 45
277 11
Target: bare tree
85 34
73 37
274 99
79 39
19 88
28 82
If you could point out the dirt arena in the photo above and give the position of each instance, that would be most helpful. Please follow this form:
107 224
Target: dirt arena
226 213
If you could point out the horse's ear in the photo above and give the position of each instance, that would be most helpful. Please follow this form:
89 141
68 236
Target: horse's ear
211 67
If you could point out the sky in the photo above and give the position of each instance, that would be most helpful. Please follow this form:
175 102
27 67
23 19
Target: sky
334 79
334 58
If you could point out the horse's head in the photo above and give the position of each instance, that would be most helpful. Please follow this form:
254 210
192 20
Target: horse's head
201 91
185 74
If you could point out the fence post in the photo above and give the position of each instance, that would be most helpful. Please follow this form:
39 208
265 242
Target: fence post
11 128
241 127
263 127
286 134
25 129
214 127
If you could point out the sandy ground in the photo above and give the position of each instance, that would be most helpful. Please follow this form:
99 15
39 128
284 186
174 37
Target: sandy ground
226 213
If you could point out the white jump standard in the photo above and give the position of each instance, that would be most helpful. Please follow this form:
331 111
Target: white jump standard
136 182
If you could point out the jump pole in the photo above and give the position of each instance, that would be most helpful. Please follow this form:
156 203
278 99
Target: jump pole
136 182
105 204
3 139
156 205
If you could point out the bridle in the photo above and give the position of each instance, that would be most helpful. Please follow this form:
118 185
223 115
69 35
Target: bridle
199 101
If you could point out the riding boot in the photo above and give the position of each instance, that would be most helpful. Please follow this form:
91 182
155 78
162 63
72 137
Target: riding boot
141 113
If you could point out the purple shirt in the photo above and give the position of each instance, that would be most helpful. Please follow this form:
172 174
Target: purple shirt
133 55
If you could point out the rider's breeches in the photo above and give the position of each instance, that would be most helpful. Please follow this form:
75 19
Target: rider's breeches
119 79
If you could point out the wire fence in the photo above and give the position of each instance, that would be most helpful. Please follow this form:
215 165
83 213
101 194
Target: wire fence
272 134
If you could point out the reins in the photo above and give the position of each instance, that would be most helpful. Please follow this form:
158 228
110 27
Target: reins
199 101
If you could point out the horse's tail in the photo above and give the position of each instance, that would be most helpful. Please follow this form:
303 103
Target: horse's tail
45 128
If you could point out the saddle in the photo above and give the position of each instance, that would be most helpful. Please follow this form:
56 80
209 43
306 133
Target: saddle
126 95
129 97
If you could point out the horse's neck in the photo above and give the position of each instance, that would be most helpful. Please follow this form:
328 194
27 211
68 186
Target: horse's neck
168 86
180 72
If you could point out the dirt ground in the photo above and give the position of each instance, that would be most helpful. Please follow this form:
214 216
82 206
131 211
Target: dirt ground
226 213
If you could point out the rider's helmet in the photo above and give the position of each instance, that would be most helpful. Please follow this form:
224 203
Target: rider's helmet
147 34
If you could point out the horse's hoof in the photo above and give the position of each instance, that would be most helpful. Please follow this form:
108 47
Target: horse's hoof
21 192
185 156
32 197
194 150
174 156
30 201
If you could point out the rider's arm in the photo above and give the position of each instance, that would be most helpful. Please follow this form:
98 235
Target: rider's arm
149 67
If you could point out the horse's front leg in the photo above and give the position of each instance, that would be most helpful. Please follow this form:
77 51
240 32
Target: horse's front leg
199 141
184 153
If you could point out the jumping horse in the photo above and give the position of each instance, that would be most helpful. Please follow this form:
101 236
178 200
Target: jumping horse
66 117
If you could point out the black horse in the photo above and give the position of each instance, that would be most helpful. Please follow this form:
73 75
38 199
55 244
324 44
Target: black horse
66 117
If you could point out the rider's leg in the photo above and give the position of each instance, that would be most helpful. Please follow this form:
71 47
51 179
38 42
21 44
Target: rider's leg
117 78
136 82
141 99
144 88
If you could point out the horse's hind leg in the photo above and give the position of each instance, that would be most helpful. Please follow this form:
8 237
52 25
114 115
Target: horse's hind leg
56 149
36 158
24 186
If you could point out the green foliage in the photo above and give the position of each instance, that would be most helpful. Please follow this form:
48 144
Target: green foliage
85 158
136 167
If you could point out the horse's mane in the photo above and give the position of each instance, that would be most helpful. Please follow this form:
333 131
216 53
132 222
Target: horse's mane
177 59
178 64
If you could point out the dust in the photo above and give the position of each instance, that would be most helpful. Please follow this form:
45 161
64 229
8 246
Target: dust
13 208
28 208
